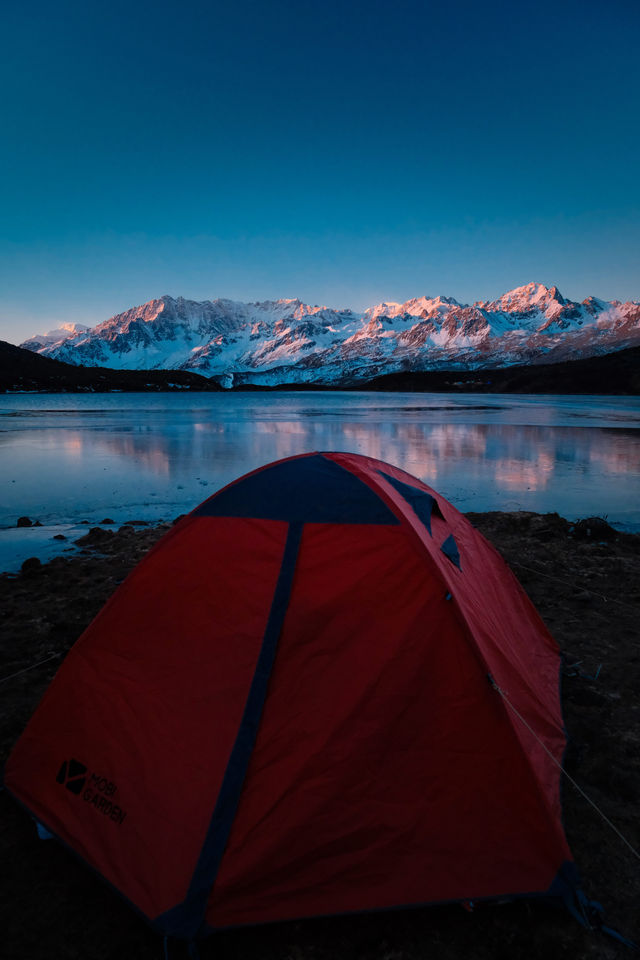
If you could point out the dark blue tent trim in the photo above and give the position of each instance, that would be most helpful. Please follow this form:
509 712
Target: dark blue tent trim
588 912
564 889
450 549
186 919
422 502
302 490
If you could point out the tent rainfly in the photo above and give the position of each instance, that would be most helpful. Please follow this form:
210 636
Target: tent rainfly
292 707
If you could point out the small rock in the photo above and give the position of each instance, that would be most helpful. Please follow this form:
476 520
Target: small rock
59 536
594 527
583 596
107 520
31 565
37 524
96 535
24 522
136 523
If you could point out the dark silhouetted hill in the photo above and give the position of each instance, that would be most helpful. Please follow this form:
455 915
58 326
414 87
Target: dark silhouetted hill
615 373
22 370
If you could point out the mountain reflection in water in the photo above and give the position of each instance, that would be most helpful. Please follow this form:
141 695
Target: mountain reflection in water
64 458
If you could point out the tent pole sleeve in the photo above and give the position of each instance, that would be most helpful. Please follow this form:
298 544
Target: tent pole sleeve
186 919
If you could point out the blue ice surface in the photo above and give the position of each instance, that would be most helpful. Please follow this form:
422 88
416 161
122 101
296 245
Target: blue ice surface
67 458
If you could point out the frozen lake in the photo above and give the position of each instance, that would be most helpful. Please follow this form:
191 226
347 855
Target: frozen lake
67 458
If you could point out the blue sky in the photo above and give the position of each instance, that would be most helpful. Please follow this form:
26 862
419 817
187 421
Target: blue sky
342 152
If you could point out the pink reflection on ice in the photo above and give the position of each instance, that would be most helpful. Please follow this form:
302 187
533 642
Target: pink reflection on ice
523 474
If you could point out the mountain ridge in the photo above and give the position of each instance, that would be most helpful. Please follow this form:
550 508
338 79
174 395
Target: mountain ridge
275 341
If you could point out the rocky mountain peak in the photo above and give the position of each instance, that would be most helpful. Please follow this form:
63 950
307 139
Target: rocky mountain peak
287 340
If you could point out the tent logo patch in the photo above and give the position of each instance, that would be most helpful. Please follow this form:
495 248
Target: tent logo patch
72 774
94 789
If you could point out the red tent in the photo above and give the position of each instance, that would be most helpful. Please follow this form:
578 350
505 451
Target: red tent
293 707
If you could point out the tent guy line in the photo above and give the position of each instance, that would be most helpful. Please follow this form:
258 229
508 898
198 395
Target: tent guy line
54 656
594 593
563 769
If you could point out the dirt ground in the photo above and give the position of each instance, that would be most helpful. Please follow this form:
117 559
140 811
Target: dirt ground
585 581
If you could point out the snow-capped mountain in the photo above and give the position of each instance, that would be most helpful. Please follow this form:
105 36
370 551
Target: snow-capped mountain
287 341
64 332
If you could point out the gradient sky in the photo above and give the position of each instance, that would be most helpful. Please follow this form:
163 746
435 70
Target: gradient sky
341 152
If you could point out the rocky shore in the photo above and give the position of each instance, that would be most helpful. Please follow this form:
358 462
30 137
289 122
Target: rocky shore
584 579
